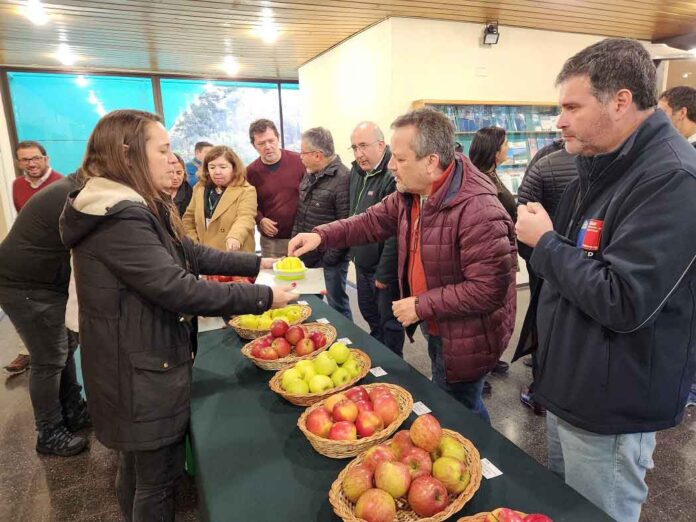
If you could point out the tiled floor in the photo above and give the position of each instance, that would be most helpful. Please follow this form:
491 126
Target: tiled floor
34 488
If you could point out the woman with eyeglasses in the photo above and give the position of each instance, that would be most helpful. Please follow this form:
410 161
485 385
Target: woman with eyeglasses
222 212
180 191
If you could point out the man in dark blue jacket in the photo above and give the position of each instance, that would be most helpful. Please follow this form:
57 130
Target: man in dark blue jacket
617 313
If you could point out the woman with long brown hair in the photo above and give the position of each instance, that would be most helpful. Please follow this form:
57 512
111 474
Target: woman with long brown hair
137 285
180 191
222 212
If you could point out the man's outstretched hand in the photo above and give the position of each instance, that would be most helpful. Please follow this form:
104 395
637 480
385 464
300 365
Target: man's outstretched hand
303 243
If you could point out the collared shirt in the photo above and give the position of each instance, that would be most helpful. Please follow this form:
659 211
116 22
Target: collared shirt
36 183
373 171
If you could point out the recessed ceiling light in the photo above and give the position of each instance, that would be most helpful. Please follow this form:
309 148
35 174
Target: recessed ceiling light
230 65
65 55
268 31
35 12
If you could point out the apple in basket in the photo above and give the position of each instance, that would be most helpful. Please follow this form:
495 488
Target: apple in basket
368 423
267 353
378 454
357 481
449 447
536 517
279 328
256 350
304 347
318 338
343 430
333 401
319 422
264 341
357 393
401 443
294 335
353 367
452 473
427 496
393 477
386 407
378 390
364 406
376 505
281 346
426 432
418 462
346 410
504 515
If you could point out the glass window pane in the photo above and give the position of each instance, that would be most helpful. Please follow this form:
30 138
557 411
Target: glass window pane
216 111
60 110
290 100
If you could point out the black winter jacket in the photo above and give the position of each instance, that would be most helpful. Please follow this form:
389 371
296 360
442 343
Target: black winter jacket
324 197
134 286
546 180
367 190
617 308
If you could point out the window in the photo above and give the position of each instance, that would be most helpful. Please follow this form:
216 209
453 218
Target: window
60 110
290 101
216 111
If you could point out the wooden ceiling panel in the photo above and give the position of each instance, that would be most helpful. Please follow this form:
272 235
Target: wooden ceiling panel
193 37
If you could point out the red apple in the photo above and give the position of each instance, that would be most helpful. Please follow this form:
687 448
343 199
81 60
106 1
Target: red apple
393 477
401 443
281 346
357 394
426 432
318 338
267 353
346 410
378 454
279 328
418 462
386 407
504 515
378 390
319 422
333 401
294 335
364 406
264 341
536 517
356 481
304 347
256 350
376 505
343 430
427 496
368 423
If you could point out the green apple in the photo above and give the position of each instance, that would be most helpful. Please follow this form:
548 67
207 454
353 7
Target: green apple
340 377
302 367
352 366
449 447
324 364
290 375
309 373
297 386
339 352
320 383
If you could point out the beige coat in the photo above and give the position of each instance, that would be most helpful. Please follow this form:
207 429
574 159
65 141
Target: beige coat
234 217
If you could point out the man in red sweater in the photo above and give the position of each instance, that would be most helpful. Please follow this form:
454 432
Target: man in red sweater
276 175
36 174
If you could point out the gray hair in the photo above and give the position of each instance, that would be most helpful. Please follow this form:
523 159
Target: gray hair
434 134
319 138
614 64
379 135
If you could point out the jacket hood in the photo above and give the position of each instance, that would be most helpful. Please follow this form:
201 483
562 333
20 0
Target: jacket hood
86 209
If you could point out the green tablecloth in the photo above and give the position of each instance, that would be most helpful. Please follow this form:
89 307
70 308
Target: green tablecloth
254 465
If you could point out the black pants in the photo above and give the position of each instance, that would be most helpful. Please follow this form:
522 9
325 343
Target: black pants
146 480
39 318
376 308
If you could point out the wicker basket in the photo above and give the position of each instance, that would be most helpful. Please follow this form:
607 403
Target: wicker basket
310 398
246 333
481 517
344 508
278 364
341 449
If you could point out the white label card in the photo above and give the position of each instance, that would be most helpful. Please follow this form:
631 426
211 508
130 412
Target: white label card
345 340
377 371
302 303
323 320
488 469
420 409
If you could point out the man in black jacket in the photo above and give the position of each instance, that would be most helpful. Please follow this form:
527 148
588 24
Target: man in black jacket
679 103
324 197
34 277
375 264
616 315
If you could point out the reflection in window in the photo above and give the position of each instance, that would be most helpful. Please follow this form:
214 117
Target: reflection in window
60 110
216 111
290 99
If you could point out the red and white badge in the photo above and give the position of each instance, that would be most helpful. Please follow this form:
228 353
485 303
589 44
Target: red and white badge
593 235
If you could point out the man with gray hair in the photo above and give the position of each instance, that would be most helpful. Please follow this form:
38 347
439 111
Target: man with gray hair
456 253
617 350
324 197
375 264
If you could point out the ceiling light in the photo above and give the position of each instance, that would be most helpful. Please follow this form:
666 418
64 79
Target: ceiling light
268 31
65 55
693 51
35 12
230 65
490 33
267 12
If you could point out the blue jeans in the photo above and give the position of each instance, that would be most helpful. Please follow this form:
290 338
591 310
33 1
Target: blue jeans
376 308
609 470
335 278
468 393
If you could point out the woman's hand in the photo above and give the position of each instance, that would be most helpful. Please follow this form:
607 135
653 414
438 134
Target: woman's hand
282 295
233 245
267 262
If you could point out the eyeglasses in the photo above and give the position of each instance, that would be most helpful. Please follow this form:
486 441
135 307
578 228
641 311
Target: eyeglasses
362 146
308 152
29 160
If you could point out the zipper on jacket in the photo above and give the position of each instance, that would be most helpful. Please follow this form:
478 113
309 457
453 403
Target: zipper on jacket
359 198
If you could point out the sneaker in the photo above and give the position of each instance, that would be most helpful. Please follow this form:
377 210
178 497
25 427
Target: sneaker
501 367
58 440
77 417
19 365
527 400
487 388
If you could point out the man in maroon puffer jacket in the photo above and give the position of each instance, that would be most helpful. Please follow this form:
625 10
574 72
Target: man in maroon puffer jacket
456 253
